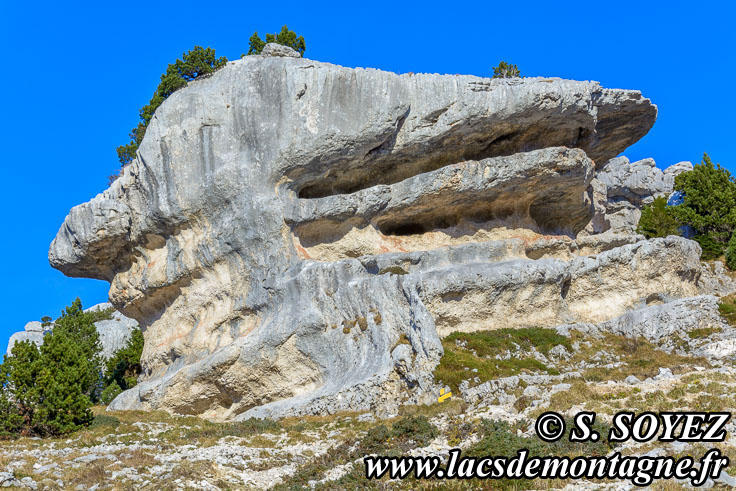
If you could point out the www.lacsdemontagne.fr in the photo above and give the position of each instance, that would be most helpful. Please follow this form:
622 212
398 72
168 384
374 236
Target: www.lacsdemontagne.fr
640 470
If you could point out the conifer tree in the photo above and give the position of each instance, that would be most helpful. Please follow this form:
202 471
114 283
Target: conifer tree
194 64
506 70
285 38
709 205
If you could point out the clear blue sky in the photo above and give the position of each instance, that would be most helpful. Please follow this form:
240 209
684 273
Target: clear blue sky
73 77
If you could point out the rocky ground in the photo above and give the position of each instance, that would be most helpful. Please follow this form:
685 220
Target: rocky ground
501 381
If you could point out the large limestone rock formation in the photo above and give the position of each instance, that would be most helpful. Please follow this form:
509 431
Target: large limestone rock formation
296 237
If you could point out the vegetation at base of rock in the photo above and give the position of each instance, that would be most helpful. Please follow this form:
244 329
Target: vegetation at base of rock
110 392
703 332
639 358
285 38
124 366
49 390
104 421
708 208
727 309
194 64
406 433
498 341
79 327
403 435
44 390
710 248
506 70
657 221
325 452
731 253
208 430
500 439
484 354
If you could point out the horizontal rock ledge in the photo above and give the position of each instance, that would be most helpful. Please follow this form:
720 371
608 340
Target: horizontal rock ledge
544 188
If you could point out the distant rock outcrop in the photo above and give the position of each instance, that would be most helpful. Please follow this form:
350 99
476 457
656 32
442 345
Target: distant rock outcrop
32 332
296 237
114 333
275 49
621 189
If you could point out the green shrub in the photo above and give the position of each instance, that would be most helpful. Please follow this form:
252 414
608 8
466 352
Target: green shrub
376 440
285 38
727 309
194 64
49 390
477 351
711 248
110 392
709 205
124 366
506 70
731 252
657 220
44 389
500 439
79 326
416 428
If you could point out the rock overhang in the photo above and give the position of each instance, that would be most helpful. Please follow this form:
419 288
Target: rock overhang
326 130
208 238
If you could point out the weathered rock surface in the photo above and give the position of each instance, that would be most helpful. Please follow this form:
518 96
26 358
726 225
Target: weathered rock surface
672 326
275 49
296 237
35 337
620 189
114 333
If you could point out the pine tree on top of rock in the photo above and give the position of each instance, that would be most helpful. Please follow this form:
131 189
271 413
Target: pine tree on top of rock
285 38
194 64
506 70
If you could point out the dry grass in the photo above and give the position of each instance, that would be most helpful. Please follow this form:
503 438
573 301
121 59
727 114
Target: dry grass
87 474
138 459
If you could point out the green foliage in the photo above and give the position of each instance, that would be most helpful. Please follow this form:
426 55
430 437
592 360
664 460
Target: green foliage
415 428
79 327
477 351
104 421
124 366
256 44
506 70
49 390
63 404
711 248
727 309
44 389
498 341
500 439
731 252
285 38
709 205
110 392
408 432
194 64
658 220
